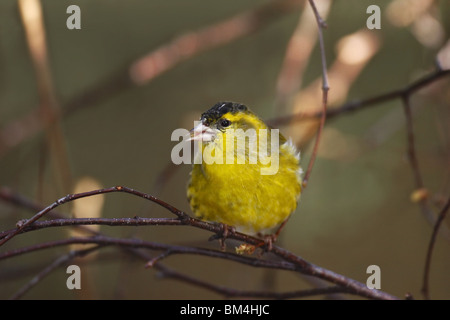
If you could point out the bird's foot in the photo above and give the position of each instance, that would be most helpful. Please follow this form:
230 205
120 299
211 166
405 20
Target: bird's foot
223 234
268 240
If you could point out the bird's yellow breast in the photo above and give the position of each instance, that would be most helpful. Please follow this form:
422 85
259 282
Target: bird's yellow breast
237 194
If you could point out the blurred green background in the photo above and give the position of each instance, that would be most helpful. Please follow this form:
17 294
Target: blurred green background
356 210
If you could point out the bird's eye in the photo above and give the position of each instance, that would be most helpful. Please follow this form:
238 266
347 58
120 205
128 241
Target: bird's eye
225 123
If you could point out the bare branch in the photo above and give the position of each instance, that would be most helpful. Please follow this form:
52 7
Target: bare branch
414 163
411 147
71 197
49 108
354 106
54 265
142 71
138 243
235 293
426 273
325 87
76 222
290 261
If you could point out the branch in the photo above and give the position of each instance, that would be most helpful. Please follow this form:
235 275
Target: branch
21 225
112 222
297 263
234 293
426 273
420 189
297 55
231 292
54 265
138 243
49 109
354 106
290 261
325 87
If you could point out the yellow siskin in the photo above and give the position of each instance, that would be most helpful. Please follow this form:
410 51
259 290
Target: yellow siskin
245 174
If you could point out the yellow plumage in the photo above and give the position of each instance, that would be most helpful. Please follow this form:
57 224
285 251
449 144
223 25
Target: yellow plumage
228 185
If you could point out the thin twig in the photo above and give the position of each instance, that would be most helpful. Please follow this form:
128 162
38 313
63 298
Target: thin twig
151 263
8 195
138 243
291 261
17 199
414 163
235 293
328 275
426 273
49 108
54 265
359 105
325 87
70 197
411 142
112 222
295 61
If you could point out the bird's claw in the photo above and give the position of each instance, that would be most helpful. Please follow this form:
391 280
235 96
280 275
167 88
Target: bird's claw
268 241
223 234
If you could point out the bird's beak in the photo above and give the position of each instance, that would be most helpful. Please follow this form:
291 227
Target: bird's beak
201 133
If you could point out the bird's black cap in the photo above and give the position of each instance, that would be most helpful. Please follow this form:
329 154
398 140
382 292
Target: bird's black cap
221 108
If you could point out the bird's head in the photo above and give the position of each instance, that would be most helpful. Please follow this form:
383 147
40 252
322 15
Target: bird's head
222 117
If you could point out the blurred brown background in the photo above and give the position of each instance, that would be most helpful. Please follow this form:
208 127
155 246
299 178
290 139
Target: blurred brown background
114 129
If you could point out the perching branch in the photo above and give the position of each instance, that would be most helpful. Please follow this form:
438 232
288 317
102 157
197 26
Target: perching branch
70 197
289 261
146 69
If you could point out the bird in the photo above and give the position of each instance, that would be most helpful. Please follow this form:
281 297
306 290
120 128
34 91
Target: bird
239 185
